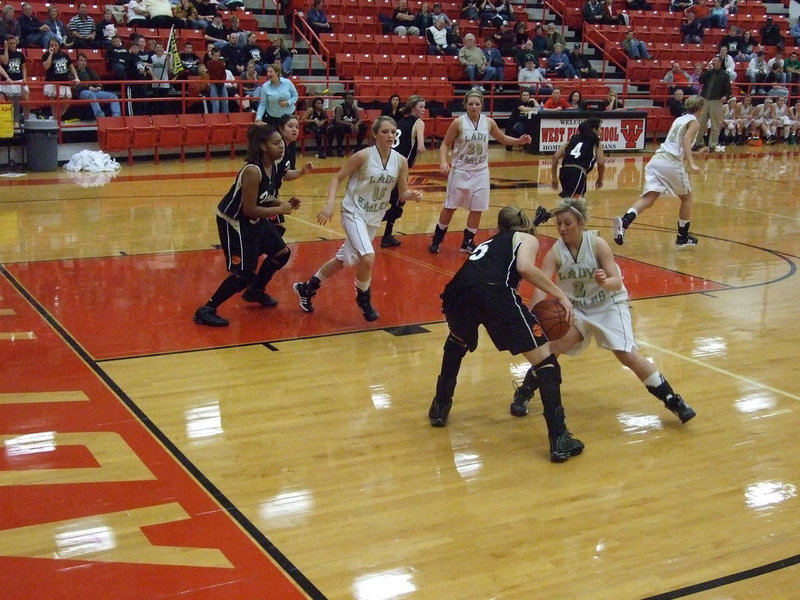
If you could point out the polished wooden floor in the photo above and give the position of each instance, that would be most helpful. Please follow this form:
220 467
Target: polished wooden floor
289 455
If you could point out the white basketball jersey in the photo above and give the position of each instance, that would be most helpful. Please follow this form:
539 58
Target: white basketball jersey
368 189
673 145
575 276
471 148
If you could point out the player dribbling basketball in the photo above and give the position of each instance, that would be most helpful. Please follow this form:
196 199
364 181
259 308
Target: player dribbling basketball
587 273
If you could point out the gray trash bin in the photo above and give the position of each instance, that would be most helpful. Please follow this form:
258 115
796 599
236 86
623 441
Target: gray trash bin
41 144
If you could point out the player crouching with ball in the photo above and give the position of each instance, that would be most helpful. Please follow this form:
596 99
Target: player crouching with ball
588 274
484 292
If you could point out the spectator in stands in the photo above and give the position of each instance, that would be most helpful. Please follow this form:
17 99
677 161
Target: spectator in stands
116 59
757 71
392 108
530 78
403 20
474 62
81 28
206 10
190 60
717 16
218 91
494 59
347 120
576 101
106 29
680 5
494 12
677 78
32 32
558 63
136 13
727 63
9 26
235 27
278 54
59 72
316 121
553 37
611 16
424 18
436 35
90 88
235 58
521 33
794 31
58 31
253 52
770 34
692 30
160 12
539 40
634 47
251 87
504 40
437 13
675 103
694 78
317 19
278 97
638 5
454 36
593 12
470 9
198 89
612 102
138 69
14 72
555 101
526 53
186 17
779 60
160 72
773 82
792 68
732 41
580 63
716 90
748 47
216 32
517 120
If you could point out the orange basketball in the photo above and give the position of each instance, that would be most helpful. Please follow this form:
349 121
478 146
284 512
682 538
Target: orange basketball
552 317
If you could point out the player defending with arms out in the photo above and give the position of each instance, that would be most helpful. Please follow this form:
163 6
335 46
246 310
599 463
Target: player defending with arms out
468 179
666 173
587 273
371 175
410 141
245 231
484 292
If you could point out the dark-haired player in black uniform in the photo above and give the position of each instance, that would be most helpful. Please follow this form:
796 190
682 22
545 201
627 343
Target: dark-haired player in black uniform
409 142
245 232
578 157
346 120
484 292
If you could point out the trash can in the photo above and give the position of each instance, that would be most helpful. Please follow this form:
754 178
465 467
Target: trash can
41 144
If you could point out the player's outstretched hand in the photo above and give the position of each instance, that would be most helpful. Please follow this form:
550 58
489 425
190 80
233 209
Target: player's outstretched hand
598 184
325 215
294 201
444 169
524 140
416 195
307 168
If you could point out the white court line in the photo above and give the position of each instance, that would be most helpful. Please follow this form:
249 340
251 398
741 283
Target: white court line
725 372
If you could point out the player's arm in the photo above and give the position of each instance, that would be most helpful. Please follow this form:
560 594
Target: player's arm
405 193
419 133
504 139
601 165
688 140
251 178
526 267
554 162
293 174
351 166
453 132
608 275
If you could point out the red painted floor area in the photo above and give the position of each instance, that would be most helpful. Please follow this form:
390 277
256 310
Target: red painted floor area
140 305
62 500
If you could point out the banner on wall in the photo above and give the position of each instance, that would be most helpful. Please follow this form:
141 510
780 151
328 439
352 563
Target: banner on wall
615 133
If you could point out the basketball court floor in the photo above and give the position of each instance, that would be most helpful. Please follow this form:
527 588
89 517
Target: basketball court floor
290 455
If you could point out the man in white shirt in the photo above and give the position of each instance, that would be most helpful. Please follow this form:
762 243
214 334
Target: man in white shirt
530 73
727 63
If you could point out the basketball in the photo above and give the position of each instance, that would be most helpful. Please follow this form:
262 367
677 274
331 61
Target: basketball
552 317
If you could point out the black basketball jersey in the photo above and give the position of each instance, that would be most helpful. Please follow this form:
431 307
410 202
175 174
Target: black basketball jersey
286 164
14 67
231 203
494 262
581 151
405 142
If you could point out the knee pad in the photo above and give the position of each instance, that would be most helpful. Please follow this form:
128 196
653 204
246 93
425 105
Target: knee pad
548 371
280 260
455 346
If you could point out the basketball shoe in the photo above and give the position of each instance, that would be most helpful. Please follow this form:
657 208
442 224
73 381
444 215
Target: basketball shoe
522 395
564 446
680 409
468 246
206 315
682 241
438 412
619 231
259 297
389 241
305 295
364 301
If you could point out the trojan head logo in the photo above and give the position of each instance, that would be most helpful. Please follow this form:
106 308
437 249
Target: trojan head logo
631 130
236 259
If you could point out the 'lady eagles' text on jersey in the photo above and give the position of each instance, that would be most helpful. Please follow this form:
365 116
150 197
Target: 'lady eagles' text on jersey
471 147
369 188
